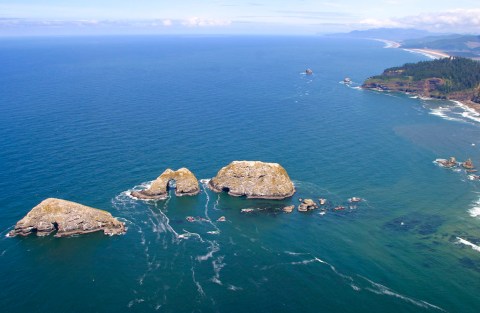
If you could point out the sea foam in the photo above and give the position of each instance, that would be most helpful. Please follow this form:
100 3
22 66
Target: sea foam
468 243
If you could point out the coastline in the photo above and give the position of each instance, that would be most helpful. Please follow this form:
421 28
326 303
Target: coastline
433 54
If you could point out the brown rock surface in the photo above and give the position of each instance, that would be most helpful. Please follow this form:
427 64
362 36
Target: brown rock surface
307 205
253 179
67 218
186 184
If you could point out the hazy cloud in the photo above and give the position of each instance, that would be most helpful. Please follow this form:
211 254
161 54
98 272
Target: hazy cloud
465 19
167 22
462 20
205 22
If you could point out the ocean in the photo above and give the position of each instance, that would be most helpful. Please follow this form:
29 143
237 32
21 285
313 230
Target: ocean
89 119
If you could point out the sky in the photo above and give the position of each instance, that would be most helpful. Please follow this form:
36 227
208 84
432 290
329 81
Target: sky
306 17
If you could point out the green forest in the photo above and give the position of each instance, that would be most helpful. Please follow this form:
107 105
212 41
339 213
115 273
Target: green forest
459 73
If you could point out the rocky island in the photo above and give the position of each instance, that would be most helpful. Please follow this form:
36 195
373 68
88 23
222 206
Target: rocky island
448 78
186 185
66 218
253 179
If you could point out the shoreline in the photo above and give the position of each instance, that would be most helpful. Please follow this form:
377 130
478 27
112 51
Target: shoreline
433 54
430 53
467 106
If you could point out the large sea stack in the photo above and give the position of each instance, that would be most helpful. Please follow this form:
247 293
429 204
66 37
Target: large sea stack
67 218
253 179
186 185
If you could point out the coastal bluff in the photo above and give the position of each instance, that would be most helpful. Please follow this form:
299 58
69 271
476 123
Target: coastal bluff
253 179
186 185
66 218
451 78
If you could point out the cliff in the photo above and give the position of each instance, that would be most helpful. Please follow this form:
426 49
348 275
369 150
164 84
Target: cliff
67 218
253 179
186 184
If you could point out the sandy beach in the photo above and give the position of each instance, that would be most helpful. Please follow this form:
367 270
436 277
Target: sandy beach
433 54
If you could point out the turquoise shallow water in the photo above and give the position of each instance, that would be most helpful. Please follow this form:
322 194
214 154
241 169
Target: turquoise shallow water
88 119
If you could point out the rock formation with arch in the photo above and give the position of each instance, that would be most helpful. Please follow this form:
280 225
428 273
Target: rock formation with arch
186 185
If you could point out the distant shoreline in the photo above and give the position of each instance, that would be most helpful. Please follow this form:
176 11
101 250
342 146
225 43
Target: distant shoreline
433 54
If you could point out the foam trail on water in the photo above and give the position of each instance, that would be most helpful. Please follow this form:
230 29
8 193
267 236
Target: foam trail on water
234 288
187 235
374 287
217 267
212 249
215 206
199 287
135 301
383 290
207 217
295 253
468 243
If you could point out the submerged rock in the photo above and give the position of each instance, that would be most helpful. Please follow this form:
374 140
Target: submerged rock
423 224
67 218
186 185
253 179
307 205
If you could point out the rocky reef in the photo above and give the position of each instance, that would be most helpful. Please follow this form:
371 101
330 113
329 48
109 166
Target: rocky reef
66 218
186 185
307 205
253 179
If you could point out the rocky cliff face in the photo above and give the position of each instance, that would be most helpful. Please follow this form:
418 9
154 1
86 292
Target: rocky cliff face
253 179
67 218
424 88
186 184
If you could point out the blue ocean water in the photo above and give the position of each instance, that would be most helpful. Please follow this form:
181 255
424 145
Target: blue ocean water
87 119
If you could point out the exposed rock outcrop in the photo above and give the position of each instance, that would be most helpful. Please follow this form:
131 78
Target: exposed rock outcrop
424 88
288 209
253 179
307 205
67 218
186 185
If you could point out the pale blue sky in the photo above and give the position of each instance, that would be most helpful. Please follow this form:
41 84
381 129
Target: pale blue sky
250 16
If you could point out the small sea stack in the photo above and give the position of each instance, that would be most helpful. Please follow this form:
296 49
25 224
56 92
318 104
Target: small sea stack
186 185
468 164
450 163
66 218
288 209
308 71
307 205
253 179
